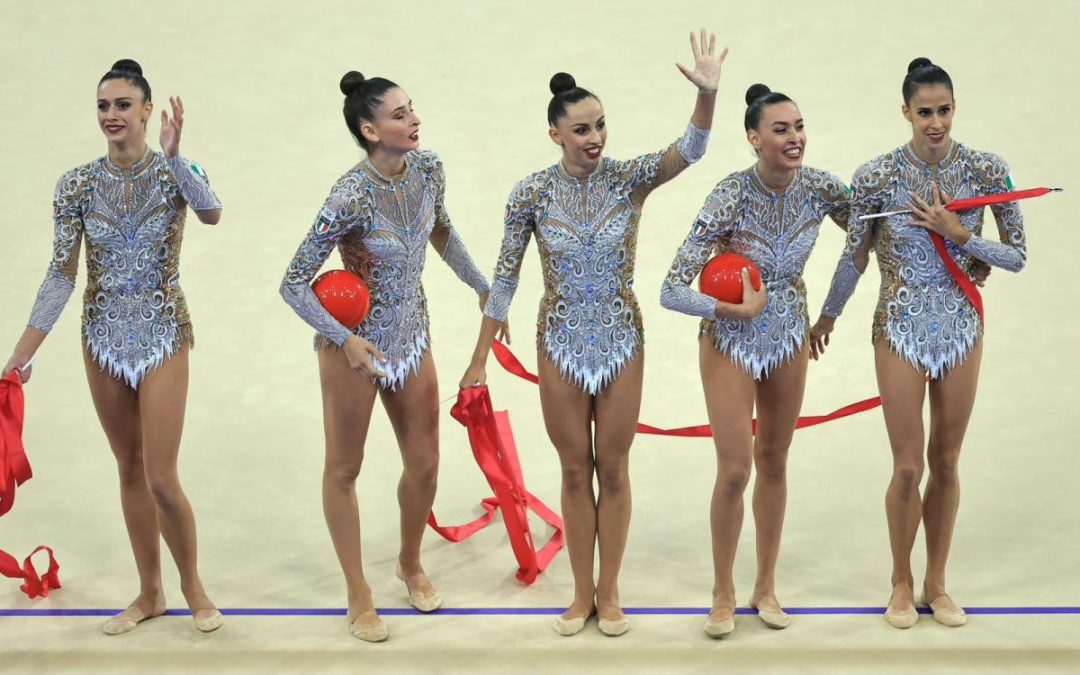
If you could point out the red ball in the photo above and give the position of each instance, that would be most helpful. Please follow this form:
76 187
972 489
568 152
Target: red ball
722 277
344 295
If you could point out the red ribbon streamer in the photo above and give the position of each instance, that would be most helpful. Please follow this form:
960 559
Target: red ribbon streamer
33 585
962 280
986 200
492 441
512 365
14 467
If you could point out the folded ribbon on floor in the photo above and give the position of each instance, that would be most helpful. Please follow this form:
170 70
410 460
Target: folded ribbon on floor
492 442
14 467
512 365
33 585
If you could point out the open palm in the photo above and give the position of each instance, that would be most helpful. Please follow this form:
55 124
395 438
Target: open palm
171 128
706 72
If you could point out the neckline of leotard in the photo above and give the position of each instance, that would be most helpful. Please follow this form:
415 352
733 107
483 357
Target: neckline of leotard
758 181
369 168
950 156
135 169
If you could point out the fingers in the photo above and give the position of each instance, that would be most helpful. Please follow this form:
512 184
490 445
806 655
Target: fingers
177 109
723 55
694 45
374 351
712 44
684 70
703 42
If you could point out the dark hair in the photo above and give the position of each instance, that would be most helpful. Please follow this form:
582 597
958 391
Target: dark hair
921 73
131 72
362 97
564 91
758 97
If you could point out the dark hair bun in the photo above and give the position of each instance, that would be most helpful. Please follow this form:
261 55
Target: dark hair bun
351 82
561 82
755 92
921 62
127 66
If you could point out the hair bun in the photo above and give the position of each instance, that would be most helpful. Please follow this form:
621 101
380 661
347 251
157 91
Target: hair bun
351 82
127 66
561 82
755 92
921 62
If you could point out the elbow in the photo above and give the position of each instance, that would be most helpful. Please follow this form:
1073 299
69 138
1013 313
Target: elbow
210 217
667 295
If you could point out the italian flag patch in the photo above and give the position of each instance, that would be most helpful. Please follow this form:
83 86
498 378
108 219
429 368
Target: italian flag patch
1009 185
198 171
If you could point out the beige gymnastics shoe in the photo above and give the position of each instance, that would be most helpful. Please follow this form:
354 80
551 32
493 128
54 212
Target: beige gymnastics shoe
129 619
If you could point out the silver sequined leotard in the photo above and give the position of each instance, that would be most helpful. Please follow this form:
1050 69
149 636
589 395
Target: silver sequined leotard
586 230
382 226
921 311
134 313
776 232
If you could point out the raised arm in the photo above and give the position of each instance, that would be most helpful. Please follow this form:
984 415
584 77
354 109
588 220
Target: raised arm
59 281
190 177
653 170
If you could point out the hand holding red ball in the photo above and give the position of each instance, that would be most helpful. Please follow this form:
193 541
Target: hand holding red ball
344 295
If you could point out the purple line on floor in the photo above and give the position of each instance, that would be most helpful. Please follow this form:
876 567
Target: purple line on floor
524 611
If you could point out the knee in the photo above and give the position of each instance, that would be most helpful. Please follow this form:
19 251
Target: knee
613 477
943 467
577 476
732 480
166 491
907 475
342 474
771 462
129 464
424 473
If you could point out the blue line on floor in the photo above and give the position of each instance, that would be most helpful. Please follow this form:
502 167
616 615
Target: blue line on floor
520 611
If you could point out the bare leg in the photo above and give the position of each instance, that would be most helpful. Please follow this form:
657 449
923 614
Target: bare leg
779 400
729 399
617 411
567 417
348 398
951 401
903 390
117 407
162 399
414 414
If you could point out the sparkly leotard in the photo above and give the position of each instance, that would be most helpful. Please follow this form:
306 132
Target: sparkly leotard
586 229
132 220
382 227
921 311
777 233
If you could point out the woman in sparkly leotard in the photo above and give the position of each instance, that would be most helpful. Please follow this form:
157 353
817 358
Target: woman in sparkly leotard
924 327
381 215
584 213
756 353
129 207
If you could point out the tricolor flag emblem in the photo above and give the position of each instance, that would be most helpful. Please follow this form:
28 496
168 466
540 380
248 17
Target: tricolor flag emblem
325 221
1009 185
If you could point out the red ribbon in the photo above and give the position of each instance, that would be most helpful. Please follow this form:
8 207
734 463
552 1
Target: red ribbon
986 200
33 585
492 441
14 467
512 365
962 280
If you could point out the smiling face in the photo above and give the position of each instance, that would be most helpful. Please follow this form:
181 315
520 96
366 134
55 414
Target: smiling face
395 127
122 111
780 137
582 133
930 112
